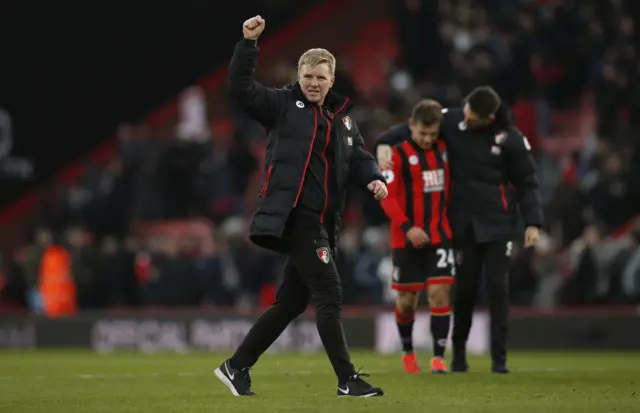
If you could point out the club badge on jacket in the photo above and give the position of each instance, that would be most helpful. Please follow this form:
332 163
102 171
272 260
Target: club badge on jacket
347 122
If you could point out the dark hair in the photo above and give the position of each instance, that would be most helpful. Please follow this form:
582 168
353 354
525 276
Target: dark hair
427 112
484 101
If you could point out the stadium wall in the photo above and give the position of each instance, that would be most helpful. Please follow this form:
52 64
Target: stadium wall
183 332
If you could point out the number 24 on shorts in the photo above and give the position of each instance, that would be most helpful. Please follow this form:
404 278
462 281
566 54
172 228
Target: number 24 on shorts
446 259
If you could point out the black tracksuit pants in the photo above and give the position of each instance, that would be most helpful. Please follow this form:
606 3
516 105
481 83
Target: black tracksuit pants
310 272
494 259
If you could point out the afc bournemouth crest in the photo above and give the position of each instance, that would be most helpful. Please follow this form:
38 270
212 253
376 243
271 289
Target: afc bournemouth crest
347 122
323 254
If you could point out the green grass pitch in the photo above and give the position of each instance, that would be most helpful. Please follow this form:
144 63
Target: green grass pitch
84 382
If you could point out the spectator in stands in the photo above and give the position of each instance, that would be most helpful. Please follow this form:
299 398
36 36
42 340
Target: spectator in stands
609 195
631 273
116 274
567 211
13 287
633 177
523 279
375 248
85 263
609 98
585 267
73 205
171 280
42 238
110 205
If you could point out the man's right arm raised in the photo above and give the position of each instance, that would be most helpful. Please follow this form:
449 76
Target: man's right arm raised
261 103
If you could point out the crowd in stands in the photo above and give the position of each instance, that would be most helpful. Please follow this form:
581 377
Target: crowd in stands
164 222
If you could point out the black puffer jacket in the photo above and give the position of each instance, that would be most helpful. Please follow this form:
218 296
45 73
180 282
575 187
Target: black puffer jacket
493 176
292 123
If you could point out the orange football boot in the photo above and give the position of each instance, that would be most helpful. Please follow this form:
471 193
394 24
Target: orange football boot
410 363
438 366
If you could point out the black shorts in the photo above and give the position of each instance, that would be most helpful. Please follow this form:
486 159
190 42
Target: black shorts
415 268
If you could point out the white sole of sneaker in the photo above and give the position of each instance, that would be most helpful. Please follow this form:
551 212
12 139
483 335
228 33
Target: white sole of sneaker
220 375
364 396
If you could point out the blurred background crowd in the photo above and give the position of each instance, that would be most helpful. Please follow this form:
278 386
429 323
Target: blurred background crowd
163 222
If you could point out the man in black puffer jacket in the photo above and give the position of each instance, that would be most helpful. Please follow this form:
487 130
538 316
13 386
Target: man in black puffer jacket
314 149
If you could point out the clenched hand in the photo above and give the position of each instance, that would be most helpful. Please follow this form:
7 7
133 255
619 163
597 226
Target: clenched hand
253 28
379 189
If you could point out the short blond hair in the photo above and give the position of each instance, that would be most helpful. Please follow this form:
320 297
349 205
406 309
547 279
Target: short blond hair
315 57
427 112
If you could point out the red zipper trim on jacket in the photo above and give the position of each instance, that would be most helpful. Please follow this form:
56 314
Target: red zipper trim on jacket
324 158
503 196
326 168
266 181
306 164
342 107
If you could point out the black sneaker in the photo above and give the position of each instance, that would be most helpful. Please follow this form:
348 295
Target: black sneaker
238 381
500 368
459 363
356 387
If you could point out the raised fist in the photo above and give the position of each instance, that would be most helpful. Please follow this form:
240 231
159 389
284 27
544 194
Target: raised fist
253 28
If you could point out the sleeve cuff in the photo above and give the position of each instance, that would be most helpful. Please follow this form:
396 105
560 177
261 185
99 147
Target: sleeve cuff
406 226
250 43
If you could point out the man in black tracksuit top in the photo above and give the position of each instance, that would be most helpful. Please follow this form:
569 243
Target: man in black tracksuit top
313 150
493 175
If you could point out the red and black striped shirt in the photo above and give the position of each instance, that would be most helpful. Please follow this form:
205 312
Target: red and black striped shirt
418 187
